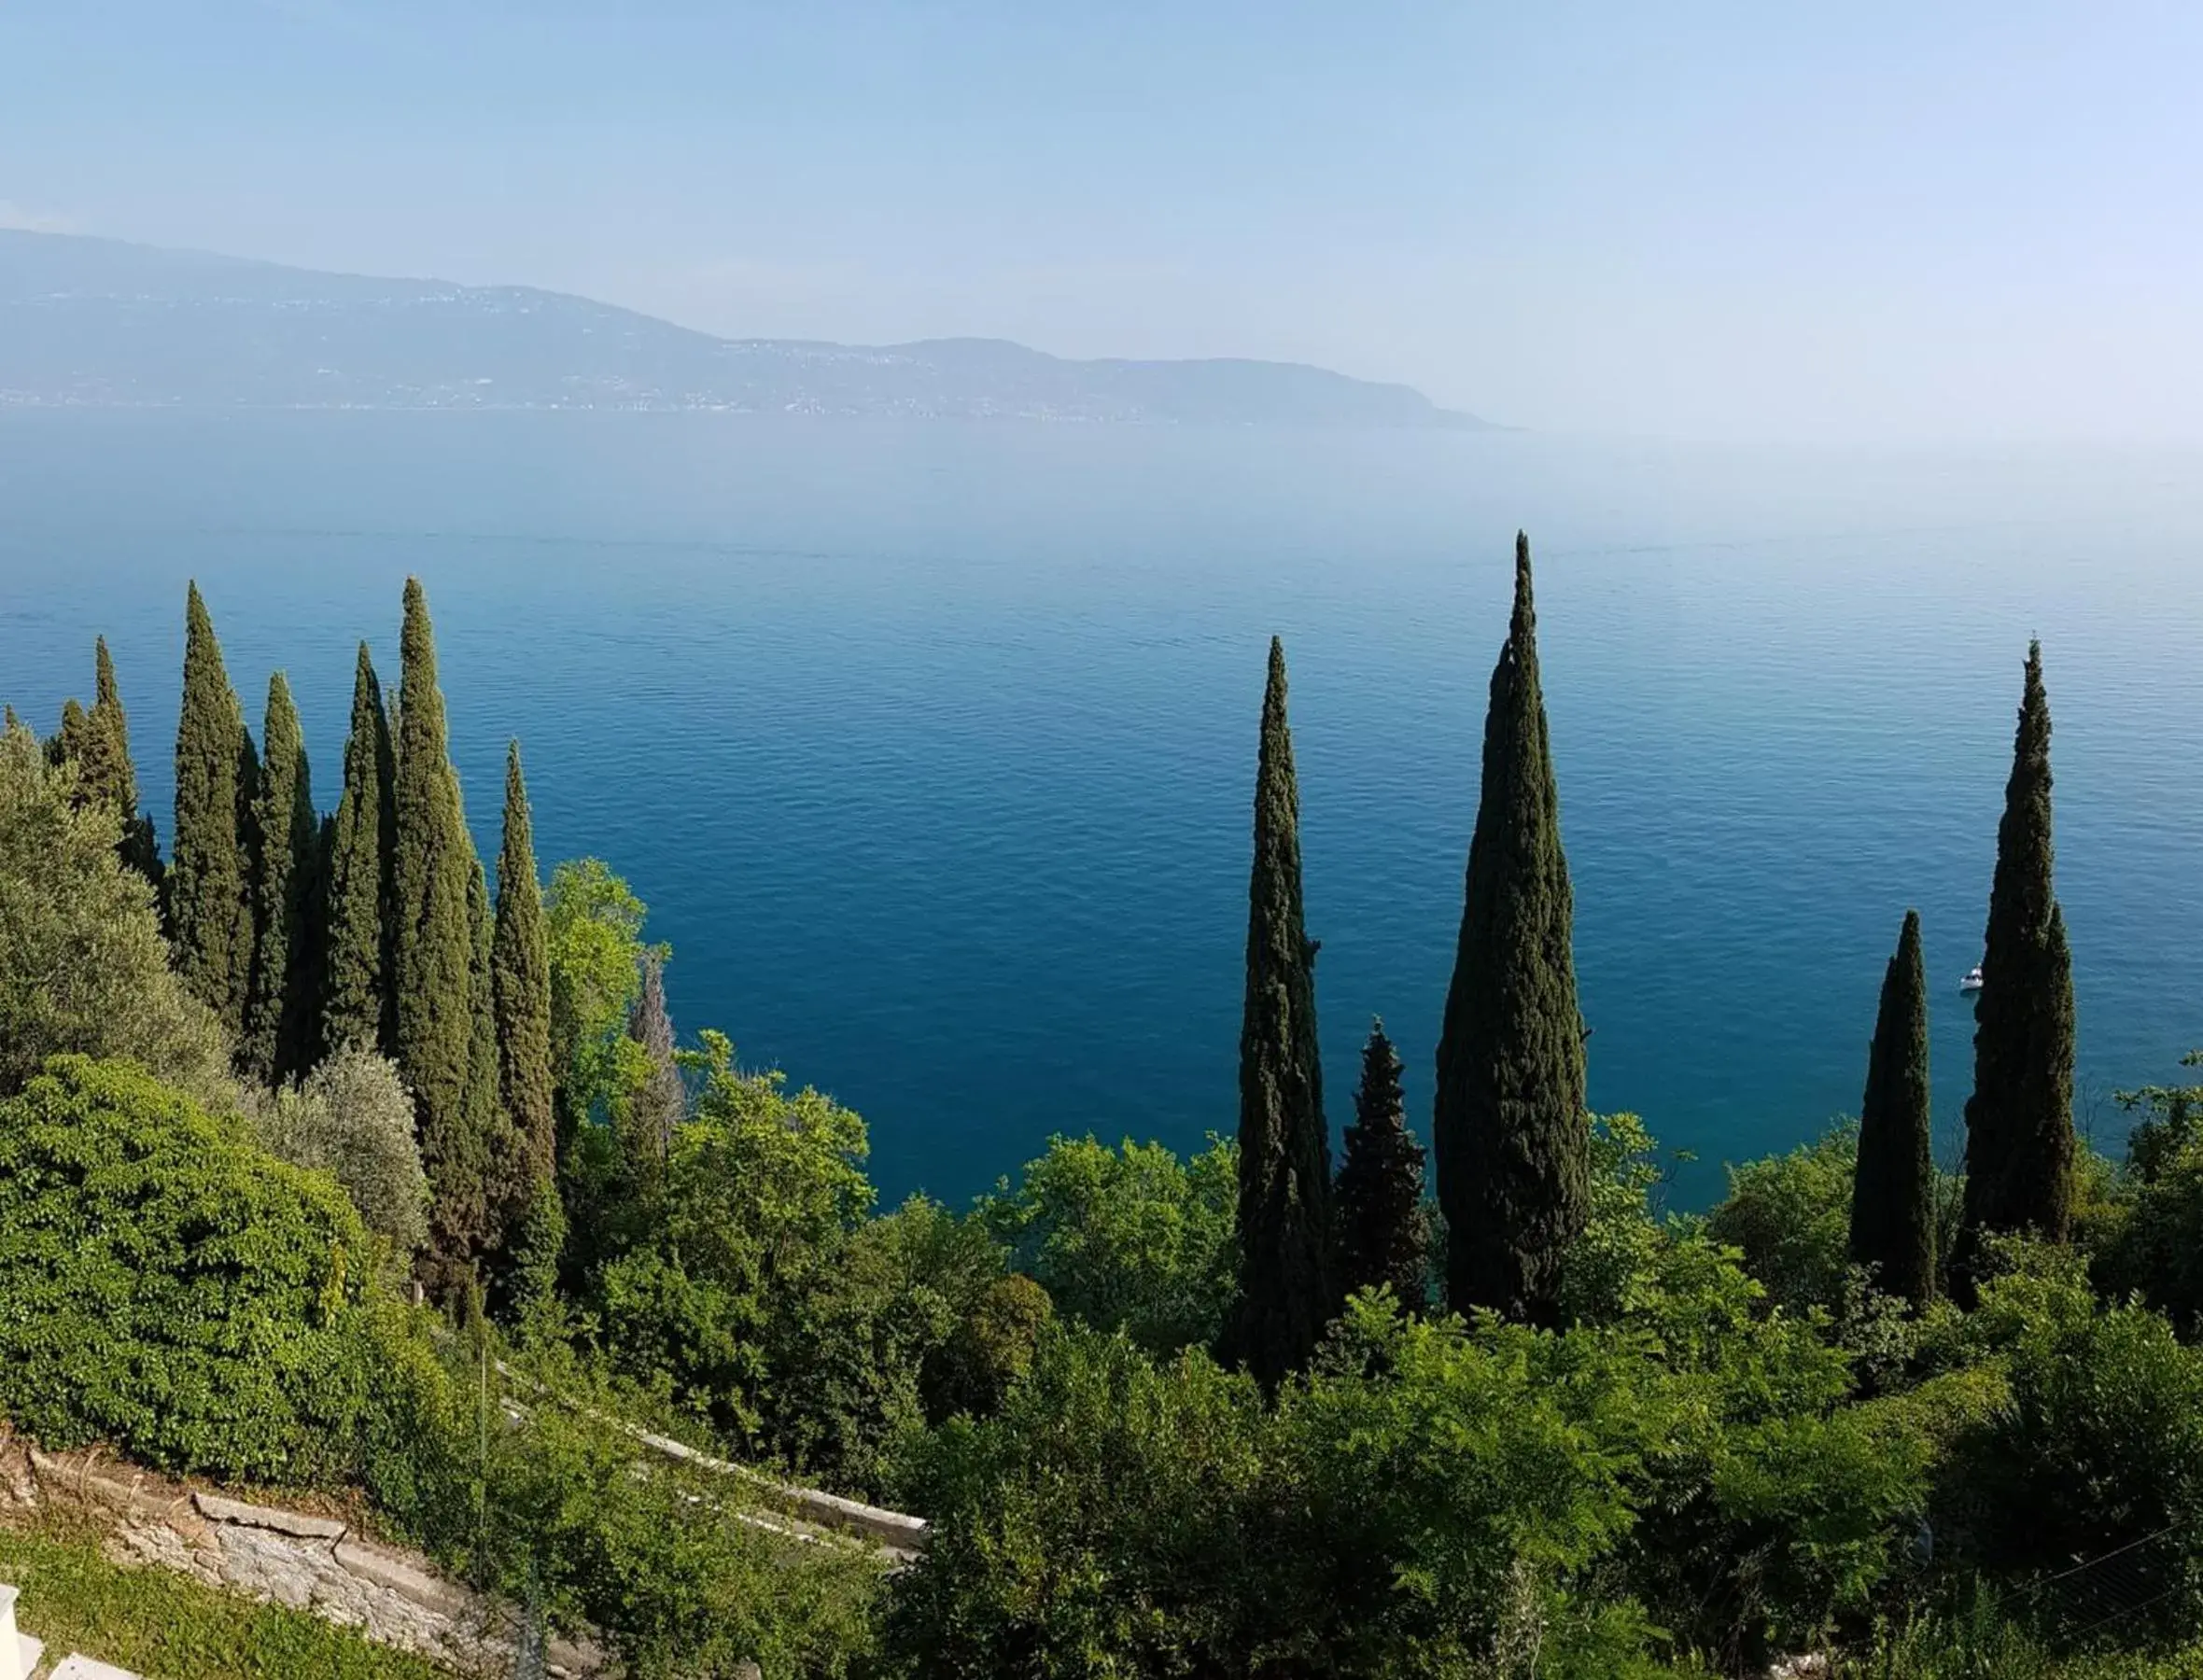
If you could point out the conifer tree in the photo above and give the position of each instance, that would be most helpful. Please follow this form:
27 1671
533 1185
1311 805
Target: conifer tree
1288 1294
67 745
435 957
661 1102
1379 1204
520 974
1893 1186
1510 1131
109 777
503 1172
281 1037
209 910
359 966
2020 1121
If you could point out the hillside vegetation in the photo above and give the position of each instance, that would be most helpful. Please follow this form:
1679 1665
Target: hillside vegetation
334 1159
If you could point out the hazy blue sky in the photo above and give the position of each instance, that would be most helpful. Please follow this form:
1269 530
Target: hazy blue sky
1939 220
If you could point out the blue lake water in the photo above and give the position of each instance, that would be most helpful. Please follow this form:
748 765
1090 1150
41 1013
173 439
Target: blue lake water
931 747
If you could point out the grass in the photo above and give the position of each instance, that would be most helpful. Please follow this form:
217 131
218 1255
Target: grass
169 1627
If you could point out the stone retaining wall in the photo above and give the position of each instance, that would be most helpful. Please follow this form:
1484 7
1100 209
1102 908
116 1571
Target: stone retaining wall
316 1564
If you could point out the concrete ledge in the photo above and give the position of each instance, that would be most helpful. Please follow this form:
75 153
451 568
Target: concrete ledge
408 1581
216 1509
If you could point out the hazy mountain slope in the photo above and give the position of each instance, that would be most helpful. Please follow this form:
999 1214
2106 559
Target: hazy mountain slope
98 322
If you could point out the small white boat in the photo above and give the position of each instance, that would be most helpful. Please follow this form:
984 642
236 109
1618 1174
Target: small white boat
1972 981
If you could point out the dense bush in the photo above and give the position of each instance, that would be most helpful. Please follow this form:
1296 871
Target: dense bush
168 1288
353 1118
2099 1445
1128 1237
1790 1218
83 968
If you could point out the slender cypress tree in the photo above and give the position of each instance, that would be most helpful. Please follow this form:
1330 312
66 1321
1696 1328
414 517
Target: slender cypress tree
489 1138
1286 1287
358 996
1511 1130
2020 1121
520 975
109 775
433 877
1379 1206
281 1040
67 745
209 912
1893 1186
660 1104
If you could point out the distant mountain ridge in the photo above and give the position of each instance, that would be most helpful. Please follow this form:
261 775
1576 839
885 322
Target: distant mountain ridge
99 323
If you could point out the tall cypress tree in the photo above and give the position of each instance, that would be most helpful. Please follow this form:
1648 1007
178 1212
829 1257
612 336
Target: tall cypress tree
520 975
1379 1205
503 1173
209 911
1511 1130
359 966
1893 1186
109 775
65 745
661 1103
281 1037
435 959
1287 1286
2020 1121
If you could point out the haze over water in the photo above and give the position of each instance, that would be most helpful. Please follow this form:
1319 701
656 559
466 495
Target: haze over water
932 747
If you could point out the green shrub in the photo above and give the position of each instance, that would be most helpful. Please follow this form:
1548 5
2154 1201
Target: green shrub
1100 1524
2099 1445
83 968
354 1118
991 1348
1790 1217
168 1288
1127 1239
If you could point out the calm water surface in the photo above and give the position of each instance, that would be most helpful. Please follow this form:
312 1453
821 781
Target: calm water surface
930 748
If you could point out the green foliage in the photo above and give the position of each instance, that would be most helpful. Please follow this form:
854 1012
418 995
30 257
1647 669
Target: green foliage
647 1114
1383 1239
593 935
167 1288
209 905
1790 1217
1098 1525
2019 1121
352 1117
1893 1225
1286 1289
83 967
106 774
520 975
282 1026
75 1598
757 1298
2149 1240
2099 1445
1127 1239
536 1250
437 960
359 997
669 1562
991 1348
1510 1129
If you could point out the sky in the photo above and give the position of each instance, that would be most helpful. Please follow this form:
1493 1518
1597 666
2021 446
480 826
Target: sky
1954 221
